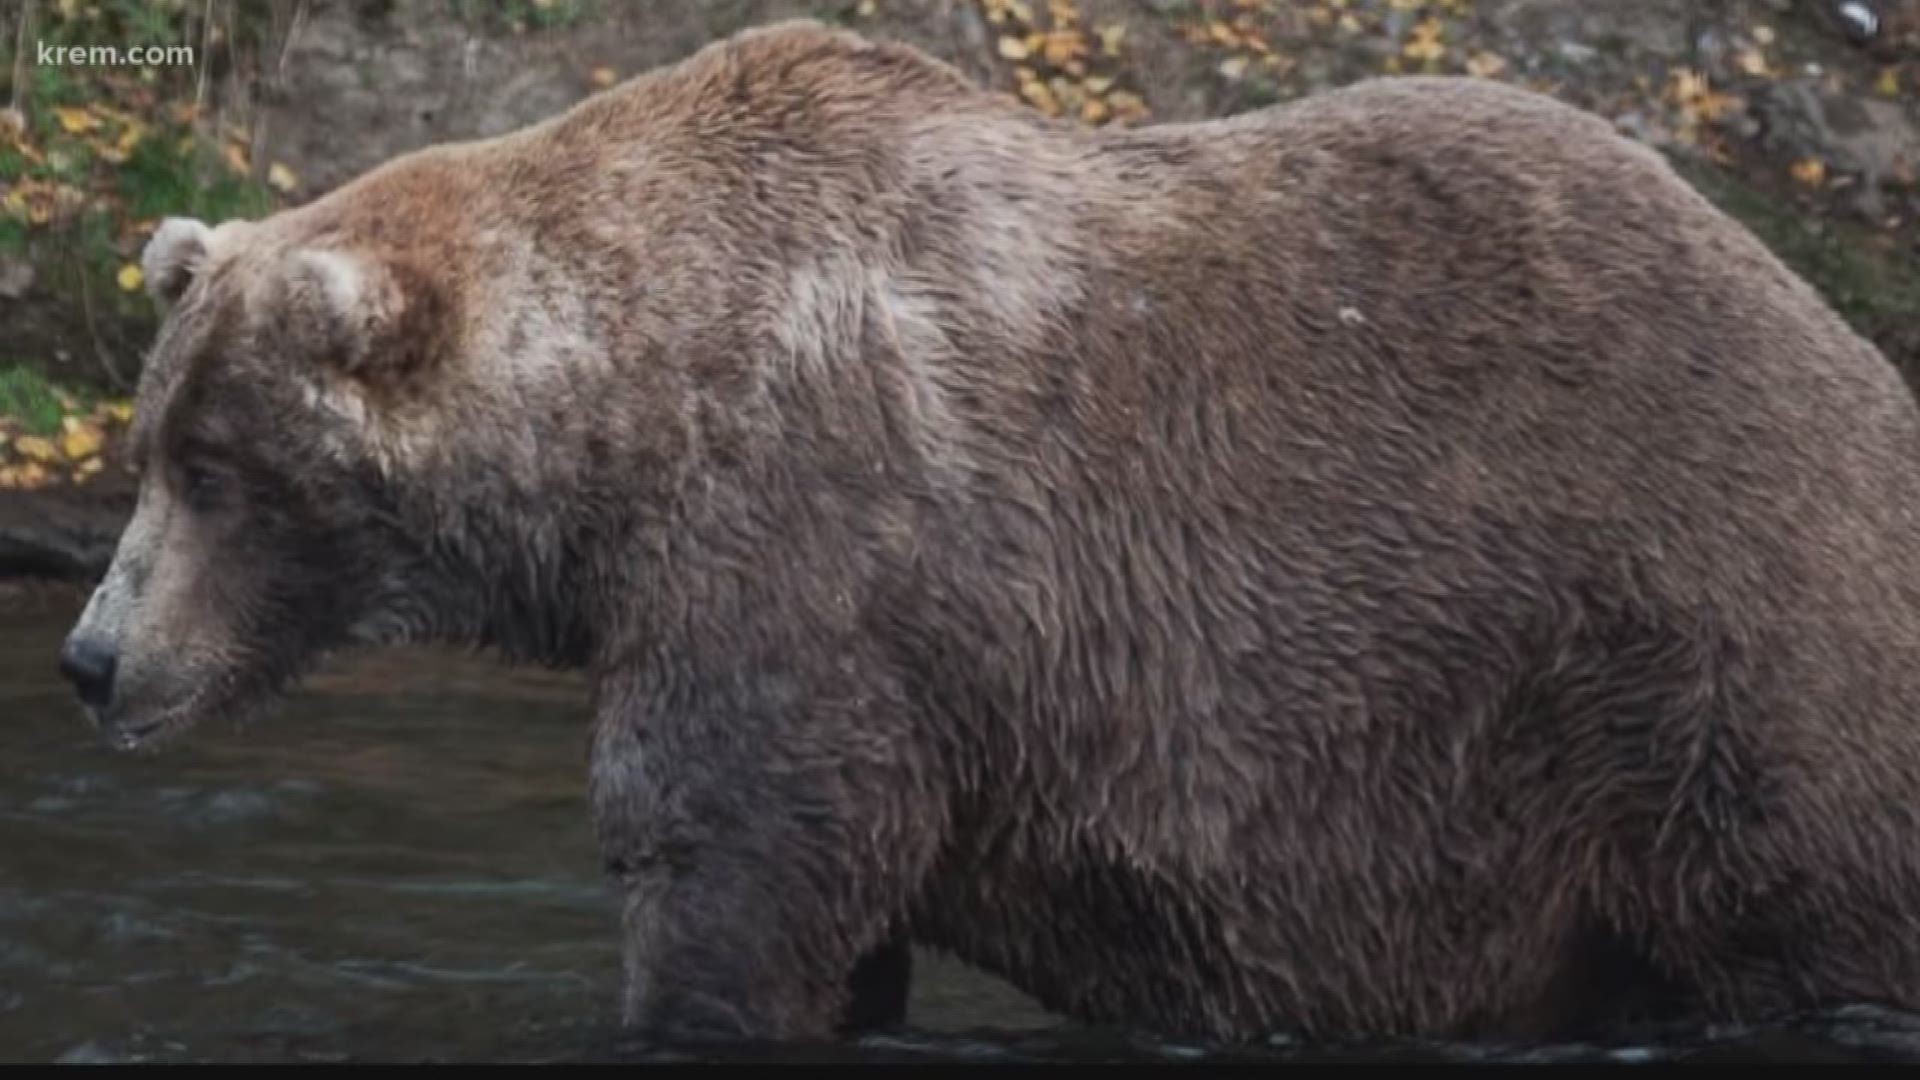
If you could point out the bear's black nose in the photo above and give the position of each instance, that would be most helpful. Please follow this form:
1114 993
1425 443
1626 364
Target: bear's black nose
88 663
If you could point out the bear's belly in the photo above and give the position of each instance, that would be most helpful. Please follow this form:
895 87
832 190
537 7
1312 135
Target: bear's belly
1102 941
1096 942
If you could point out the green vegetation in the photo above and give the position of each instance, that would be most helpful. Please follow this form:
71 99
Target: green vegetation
1875 288
93 156
96 154
29 400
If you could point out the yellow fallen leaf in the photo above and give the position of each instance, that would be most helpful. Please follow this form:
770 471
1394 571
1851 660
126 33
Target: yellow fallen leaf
1810 171
1754 62
1127 106
118 411
281 178
1112 36
120 116
1425 42
75 121
86 469
1094 111
35 448
236 158
1038 96
1002 12
1888 84
1099 84
1234 68
603 76
1485 65
123 147
81 439
1064 46
1687 85
131 277
1012 48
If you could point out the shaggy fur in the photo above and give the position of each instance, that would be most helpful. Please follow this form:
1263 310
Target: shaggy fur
1397 563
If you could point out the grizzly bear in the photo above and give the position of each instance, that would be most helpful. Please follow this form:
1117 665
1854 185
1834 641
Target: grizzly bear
1397 563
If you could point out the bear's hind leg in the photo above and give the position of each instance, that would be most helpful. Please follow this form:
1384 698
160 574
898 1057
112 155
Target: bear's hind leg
1830 933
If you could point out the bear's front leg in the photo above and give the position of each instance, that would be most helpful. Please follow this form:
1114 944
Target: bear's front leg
765 844
878 986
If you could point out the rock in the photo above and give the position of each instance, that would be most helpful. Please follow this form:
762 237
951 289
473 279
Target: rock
1651 29
1712 49
1637 126
1575 52
1877 140
64 533
1886 29
16 277
358 91
362 83
1859 20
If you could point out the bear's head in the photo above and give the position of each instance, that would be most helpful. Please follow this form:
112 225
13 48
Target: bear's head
473 395
284 409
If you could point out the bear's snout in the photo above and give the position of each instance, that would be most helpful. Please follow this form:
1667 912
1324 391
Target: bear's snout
88 663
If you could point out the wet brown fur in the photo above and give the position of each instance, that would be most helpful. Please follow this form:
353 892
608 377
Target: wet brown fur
1395 563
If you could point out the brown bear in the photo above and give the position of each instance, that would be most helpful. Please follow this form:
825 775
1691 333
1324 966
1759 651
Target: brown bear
1393 564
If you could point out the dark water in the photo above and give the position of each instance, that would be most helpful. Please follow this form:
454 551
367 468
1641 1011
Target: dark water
398 866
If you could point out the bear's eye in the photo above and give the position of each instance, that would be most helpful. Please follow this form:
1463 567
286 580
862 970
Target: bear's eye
199 486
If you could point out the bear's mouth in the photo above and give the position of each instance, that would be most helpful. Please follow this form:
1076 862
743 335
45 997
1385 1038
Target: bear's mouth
151 732
133 737
229 697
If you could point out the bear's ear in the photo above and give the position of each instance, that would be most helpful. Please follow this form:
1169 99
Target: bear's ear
333 304
351 312
173 257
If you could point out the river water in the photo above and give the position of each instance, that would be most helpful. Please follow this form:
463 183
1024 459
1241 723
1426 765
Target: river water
398 866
